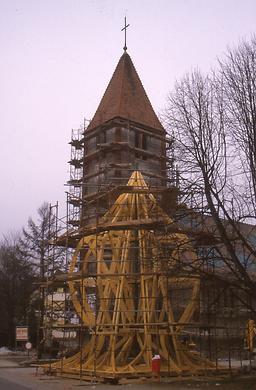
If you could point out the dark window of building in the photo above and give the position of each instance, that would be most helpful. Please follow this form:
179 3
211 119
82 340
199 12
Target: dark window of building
118 134
118 156
144 143
137 139
140 142
100 139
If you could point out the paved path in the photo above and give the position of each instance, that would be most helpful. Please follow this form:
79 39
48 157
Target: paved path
13 377
5 363
8 385
25 378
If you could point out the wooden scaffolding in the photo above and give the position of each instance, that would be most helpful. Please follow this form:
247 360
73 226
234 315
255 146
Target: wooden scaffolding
123 294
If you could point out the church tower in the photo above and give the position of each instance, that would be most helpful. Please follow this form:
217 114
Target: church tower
130 257
124 135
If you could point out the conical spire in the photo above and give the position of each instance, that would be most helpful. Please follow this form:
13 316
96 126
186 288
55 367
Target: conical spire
125 97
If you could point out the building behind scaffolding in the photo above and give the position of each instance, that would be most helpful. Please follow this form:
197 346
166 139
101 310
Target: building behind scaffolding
133 252
124 135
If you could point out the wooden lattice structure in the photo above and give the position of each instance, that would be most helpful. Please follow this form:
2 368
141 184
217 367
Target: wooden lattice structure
124 297
134 279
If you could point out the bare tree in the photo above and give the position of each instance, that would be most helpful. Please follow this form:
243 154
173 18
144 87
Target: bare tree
196 116
238 72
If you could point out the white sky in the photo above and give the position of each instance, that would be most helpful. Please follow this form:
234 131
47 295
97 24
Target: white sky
57 57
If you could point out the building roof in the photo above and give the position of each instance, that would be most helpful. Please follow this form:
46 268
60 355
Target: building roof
125 97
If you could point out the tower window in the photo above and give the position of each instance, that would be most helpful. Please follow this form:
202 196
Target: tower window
144 143
118 134
118 156
100 139
137 140
141 141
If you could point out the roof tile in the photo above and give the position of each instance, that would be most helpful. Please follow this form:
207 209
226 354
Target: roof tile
125 97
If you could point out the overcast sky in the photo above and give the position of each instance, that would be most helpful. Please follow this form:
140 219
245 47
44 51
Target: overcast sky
57 57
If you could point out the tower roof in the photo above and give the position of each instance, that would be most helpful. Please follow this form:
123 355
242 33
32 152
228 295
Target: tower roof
125 97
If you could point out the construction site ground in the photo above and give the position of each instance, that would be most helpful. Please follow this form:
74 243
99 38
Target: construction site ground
14 376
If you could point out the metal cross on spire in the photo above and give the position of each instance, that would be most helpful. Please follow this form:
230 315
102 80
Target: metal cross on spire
124 29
